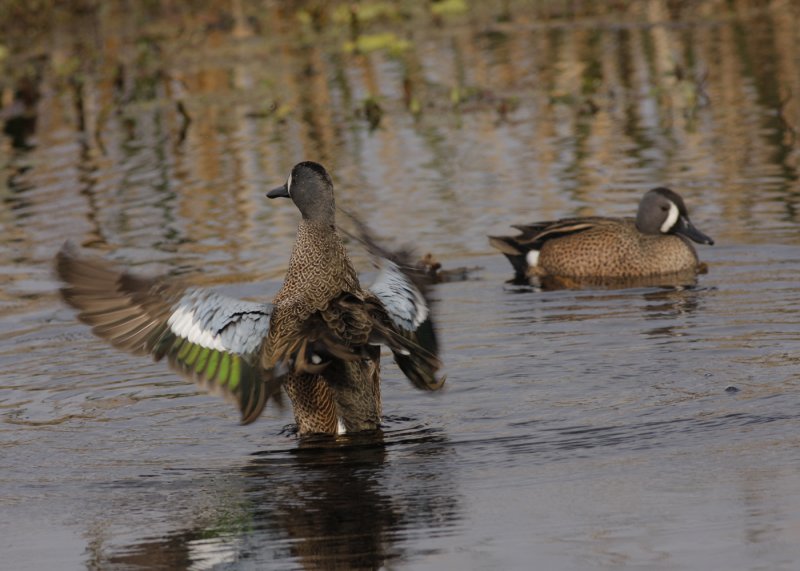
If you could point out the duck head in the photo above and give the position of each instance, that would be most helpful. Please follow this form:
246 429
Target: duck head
311 189
662 211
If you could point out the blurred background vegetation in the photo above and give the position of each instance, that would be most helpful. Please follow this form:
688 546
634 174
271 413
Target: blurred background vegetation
442 99
126 52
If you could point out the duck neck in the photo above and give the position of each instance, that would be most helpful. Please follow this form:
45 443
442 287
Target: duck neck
319 259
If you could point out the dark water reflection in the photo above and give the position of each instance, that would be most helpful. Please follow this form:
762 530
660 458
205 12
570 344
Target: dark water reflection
678 280
648 427
322 505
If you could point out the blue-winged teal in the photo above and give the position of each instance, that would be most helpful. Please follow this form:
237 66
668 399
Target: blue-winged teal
318 340
656 242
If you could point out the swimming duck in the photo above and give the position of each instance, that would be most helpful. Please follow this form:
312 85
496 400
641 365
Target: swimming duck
656 242
319 340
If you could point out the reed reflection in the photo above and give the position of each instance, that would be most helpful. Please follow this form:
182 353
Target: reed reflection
591 101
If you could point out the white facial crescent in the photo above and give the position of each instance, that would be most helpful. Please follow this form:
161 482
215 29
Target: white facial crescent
672 218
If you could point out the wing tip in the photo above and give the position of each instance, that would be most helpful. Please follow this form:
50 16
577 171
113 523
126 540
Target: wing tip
262 391
506 244
437 384
65 256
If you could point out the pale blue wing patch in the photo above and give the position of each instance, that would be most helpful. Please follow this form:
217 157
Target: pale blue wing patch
403 322
211 338
403 301
412 338
214 321
216 340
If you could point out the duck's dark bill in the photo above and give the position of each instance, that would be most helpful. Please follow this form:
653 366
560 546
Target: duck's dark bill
280 192
686 228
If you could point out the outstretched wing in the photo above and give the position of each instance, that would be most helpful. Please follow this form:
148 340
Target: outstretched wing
406 326
213 339
402 315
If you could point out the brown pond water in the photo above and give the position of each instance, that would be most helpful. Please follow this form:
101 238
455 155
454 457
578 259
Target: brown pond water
644 428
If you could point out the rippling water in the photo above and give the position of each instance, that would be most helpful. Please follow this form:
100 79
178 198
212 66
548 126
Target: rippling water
617 429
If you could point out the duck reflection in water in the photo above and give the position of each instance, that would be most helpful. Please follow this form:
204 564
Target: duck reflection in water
677 280
329 504
670 307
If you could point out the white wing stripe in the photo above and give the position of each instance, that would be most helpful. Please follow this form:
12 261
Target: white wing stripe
184 324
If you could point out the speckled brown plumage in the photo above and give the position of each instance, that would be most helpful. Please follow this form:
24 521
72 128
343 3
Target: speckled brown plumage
322 311
319 340
655 243
320 274
346 390
614 248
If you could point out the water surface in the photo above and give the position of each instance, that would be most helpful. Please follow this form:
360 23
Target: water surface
651 427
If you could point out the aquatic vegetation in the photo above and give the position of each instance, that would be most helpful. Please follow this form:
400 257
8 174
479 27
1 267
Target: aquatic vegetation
367 43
